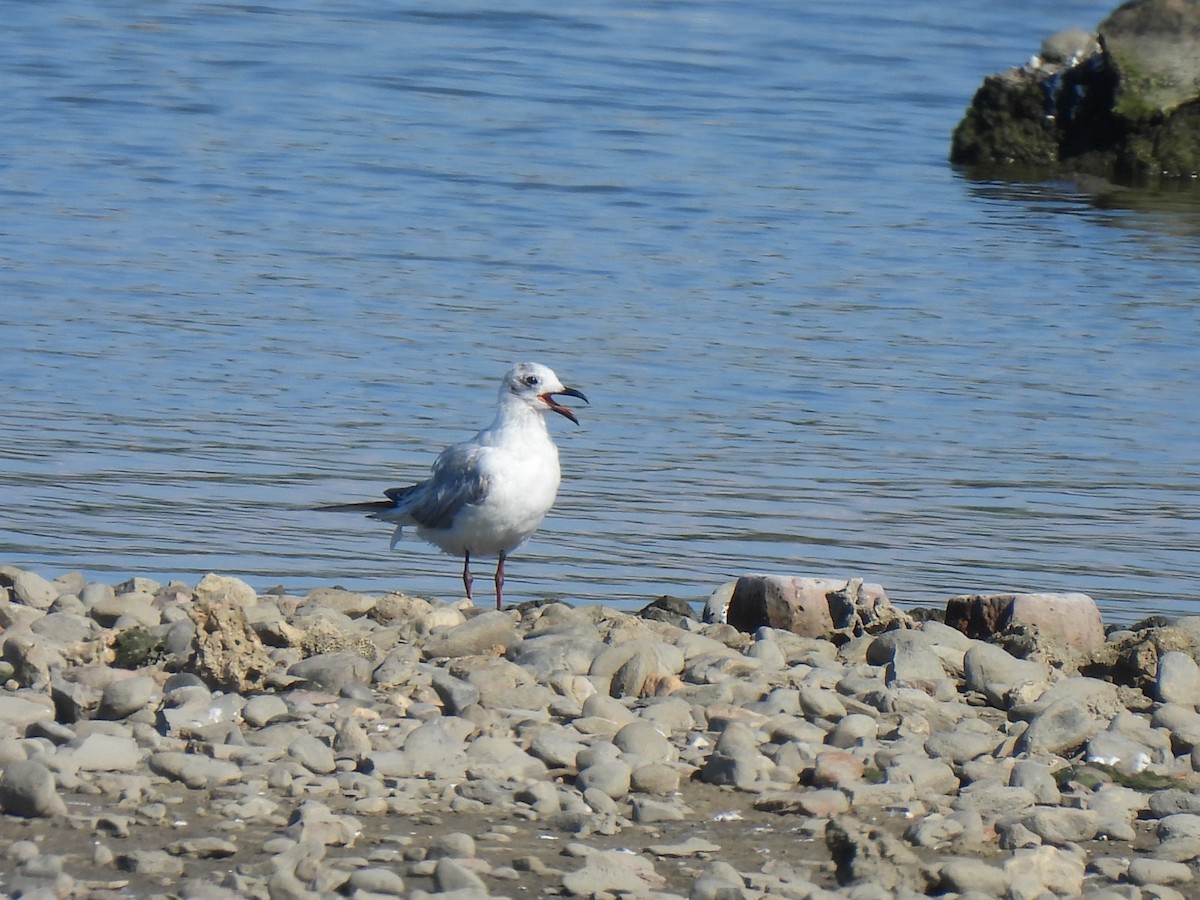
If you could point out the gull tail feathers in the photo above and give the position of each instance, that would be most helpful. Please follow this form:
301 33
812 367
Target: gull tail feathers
368 506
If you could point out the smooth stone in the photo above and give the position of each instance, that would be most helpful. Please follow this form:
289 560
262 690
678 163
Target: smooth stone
105 753
647 810
1178 679
21 710
768 652
1060 826
312 753
1171 801
263 709
853 730
1061 728
545 654
718 881
655 778
429 750
333 672
834 768
375 880
193 770
929 777
970 738
127 696
541 796
1179 837
348 603
1154 47
557 747
1146 871
818 703
1098 697
455 693
630 666
451 875
135 608
933 830
32 590
65 628
29 658
735 759
602 706
454 845
498 758
213 587
28 789
1182 721
644 741
991 800
961 875
992 670
1038 778
485 634
611 778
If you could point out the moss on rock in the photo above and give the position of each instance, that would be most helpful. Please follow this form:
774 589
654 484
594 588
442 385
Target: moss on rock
1127 110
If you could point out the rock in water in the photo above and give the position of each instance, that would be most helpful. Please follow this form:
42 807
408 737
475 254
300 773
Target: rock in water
1120 105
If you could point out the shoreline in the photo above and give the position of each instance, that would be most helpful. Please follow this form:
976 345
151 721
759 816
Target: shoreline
208 741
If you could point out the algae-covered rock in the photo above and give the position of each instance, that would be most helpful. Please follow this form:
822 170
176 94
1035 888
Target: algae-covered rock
1122 104
1153 47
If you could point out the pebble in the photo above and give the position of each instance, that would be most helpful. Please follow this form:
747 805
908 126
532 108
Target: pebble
27 789
1178 678
916 759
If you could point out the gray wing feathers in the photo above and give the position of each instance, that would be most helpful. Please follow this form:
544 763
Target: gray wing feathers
457 481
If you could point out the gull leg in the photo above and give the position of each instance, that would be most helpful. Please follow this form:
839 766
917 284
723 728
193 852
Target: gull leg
500 580
467 579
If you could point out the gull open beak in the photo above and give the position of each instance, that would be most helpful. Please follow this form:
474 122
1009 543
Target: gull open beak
549 400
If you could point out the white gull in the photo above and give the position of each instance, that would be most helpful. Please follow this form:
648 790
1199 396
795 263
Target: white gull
488 495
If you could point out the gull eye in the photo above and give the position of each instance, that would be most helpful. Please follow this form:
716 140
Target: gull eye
532 380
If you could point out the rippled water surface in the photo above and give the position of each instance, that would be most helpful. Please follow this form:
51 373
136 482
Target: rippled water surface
255 258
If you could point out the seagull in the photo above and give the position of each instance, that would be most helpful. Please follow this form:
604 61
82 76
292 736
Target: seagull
487 496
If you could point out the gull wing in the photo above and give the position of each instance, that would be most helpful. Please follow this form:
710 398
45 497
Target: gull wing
458 480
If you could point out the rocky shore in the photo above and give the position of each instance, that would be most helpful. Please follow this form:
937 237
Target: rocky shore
210 742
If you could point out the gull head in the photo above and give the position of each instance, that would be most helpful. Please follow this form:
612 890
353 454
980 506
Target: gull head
537 386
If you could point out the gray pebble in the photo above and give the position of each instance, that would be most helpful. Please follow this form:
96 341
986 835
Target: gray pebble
478 636
263 709
610 778
644 741
193 770
1178 678
127 696
333 671
451 875
655 778
27 789
454 845
376 881
312 753
33 590
1145 870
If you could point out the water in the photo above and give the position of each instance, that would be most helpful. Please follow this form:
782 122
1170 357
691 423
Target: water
254 258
